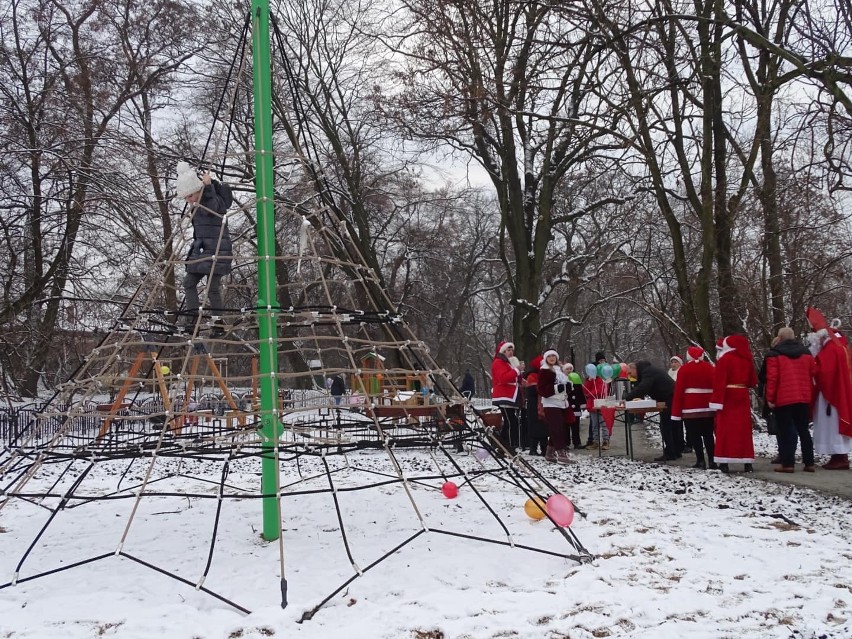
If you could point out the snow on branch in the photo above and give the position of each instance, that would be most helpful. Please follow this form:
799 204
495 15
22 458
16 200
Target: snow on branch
597 204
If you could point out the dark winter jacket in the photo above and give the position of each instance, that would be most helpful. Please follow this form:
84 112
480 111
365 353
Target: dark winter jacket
653 382
536 428
210 232
790 371
338 386
576 399
761 390
468 385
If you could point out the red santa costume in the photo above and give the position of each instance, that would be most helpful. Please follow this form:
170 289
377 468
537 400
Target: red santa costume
505 378
832 413
505 384
553 387
733 377
691 404
693 386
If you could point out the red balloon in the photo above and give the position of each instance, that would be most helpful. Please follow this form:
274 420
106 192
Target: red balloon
450 490
561 510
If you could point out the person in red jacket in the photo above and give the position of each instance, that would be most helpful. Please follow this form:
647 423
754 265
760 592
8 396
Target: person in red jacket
505 385
691 404
790 371
732 379
595 388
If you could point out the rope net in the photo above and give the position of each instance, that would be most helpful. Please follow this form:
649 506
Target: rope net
162 421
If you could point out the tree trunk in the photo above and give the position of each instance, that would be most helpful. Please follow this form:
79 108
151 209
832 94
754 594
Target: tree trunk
728 294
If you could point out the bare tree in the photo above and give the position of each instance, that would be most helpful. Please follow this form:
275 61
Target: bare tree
71 70
507 84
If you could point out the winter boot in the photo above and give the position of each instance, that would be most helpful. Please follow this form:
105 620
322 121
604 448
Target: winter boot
724 468
749 468
562 456
550 454
837 462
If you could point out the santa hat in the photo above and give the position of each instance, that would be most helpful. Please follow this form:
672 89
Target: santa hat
548 353
535 363
187 181
694 353
676 358
738 344
502 347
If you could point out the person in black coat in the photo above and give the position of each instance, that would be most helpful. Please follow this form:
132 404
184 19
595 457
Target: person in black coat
468 385
338 389
576 401
210 254
655 383
536 427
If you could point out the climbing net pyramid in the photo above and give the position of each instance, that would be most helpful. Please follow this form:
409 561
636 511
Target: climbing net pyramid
162 423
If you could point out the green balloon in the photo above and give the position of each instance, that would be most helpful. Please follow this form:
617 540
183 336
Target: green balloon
575 378
616 370
600 369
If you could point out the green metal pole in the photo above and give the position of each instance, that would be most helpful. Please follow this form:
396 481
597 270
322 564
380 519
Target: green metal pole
267 300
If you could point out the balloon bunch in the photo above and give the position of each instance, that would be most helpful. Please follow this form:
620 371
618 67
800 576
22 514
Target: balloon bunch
607 372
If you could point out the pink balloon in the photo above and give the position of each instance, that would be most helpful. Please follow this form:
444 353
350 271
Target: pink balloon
560 509
450 490
481 453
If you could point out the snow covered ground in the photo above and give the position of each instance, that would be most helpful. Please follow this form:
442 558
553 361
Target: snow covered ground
679 553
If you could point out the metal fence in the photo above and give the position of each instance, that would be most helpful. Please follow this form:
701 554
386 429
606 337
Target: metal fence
40 422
